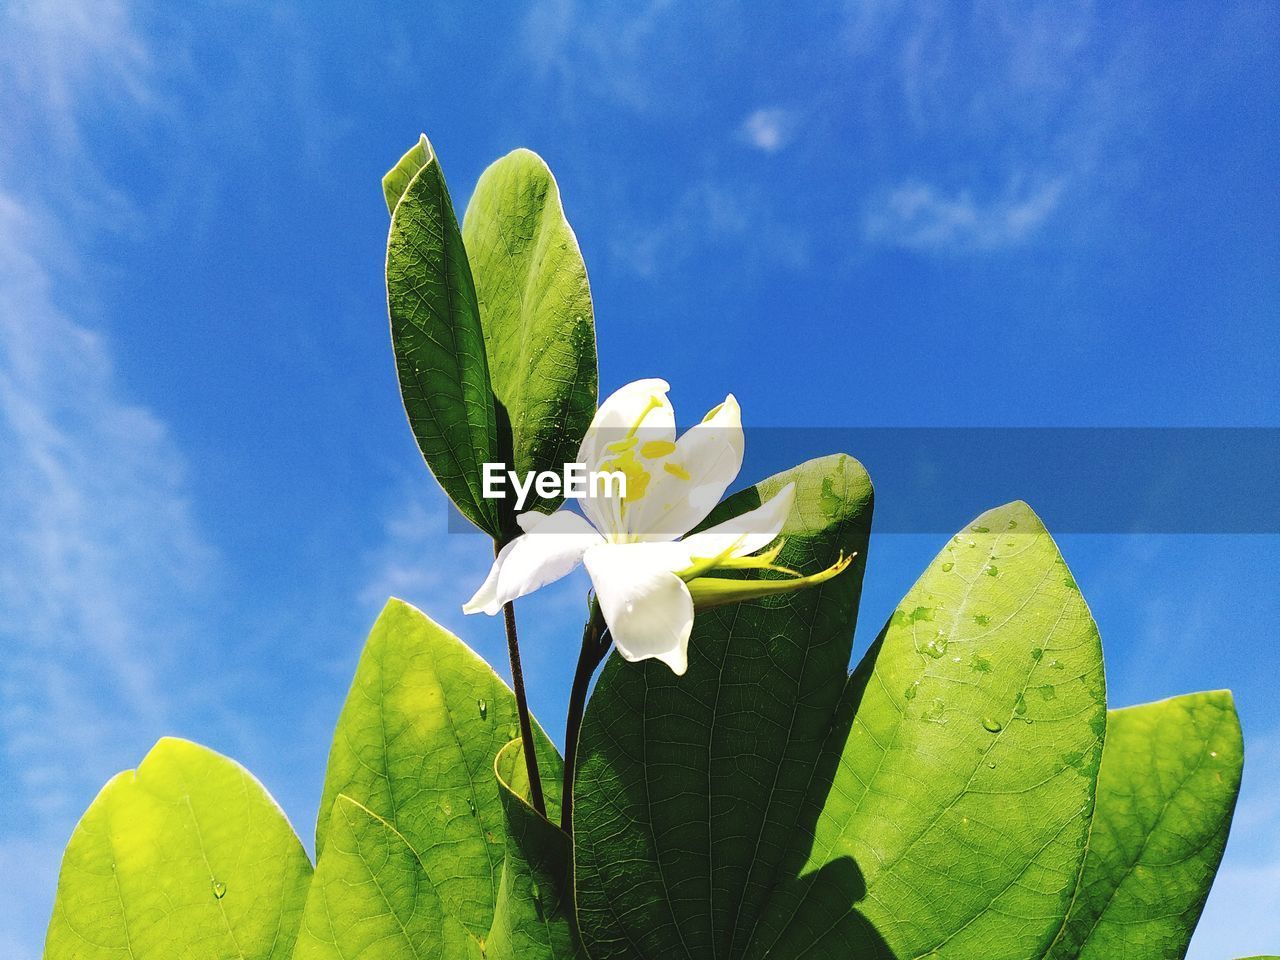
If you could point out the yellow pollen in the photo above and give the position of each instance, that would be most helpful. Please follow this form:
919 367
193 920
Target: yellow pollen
654 449
676 470
621 446
637 476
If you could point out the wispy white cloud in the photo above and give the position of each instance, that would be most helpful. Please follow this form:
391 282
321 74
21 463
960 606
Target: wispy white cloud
1009 111
921 216
768 129
597 50
100 557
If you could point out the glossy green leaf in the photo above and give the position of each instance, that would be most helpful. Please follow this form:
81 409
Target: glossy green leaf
437 339
1166 791
688 788
533 919
415 747
968 743
535 309
188 856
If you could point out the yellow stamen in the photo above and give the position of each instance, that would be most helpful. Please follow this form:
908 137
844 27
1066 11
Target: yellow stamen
653 449
621 446
676 470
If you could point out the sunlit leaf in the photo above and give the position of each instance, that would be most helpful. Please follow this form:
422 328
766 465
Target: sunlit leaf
1168 784
188 856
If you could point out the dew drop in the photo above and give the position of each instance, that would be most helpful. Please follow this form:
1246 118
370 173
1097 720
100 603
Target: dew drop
219 889
991 726
1037 653
991 764
980 529
1020 705
471 805
992 570
910 692
948 567
1055 665
1047 691
936 647
484 708
981 619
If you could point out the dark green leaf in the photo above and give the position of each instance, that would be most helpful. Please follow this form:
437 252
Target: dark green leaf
689 788
436 335
534 915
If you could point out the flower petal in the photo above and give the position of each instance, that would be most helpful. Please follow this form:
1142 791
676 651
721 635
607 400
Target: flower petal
692 478
640 402
551 550
647 607
632 416
745 534
484 600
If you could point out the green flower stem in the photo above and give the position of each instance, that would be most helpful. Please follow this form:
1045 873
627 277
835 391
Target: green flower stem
522 707
595 644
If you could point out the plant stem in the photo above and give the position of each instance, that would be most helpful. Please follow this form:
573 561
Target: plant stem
522 708
595 644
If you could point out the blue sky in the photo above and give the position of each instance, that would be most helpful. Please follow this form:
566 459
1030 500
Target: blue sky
878 214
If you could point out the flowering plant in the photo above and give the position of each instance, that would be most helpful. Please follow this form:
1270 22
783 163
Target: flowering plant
728 790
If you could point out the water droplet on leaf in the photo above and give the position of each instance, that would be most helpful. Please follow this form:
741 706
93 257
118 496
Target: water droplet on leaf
484 708
992 726
219 889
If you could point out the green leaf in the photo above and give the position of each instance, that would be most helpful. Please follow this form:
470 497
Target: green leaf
534 915
436 335
397 178
372 899
968 744
1166 791
535 309
415 746
688 788
188 856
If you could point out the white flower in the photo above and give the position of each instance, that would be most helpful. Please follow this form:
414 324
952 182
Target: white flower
647 581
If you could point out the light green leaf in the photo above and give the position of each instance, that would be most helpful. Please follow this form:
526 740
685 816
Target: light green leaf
534 915
436 335
415 746
535 309
397 178
689 788
1166 791
371 898
188 856
968 743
